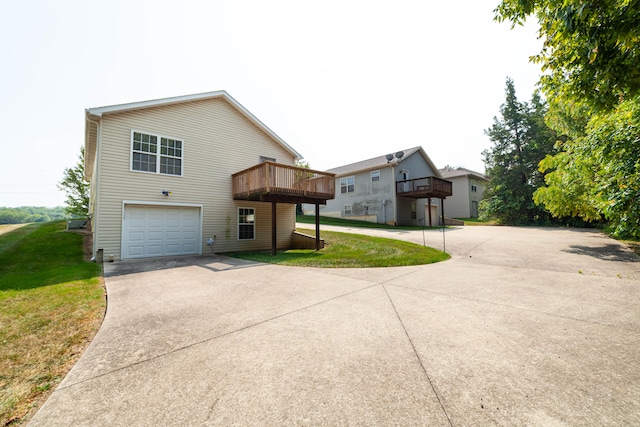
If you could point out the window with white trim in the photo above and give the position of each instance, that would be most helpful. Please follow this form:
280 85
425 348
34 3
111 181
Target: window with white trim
375 176
246 224
413 210
347 209
348 184
147 155
474 188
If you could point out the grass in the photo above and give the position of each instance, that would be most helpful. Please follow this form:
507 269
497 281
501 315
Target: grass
633 244
51 303
324 220
353 251
477 221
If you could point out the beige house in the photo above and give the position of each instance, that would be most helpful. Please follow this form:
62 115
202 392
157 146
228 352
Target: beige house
468 191
189 175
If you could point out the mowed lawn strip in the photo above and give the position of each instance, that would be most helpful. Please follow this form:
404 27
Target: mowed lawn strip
345 250
52 302
327 220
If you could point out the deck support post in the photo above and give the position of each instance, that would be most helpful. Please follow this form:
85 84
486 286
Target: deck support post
273 229
318 227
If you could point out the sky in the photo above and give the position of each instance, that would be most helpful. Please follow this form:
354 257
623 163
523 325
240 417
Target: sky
339 81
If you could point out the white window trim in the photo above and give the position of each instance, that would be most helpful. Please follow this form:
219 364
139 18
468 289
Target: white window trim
159 136
238 223
346 178
377 174
350 210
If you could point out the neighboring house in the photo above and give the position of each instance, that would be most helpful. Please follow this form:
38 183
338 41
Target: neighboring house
402 188
170 175
468 190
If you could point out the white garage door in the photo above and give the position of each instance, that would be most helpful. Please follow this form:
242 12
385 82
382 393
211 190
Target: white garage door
153 231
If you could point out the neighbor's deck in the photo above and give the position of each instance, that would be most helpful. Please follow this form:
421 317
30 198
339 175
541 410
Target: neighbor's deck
420 188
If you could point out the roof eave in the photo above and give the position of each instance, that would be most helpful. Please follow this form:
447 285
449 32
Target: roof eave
98 112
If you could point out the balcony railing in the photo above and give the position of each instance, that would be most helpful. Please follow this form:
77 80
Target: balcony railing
424 187
270 181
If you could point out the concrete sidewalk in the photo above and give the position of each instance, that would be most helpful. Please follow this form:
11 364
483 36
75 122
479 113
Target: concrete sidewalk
523 326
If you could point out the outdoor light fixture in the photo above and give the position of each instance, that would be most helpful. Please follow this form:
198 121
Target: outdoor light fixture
166 193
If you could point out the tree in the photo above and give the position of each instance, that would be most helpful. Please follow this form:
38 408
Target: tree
76 188
591 49
591 55
520 140
597 175
301 164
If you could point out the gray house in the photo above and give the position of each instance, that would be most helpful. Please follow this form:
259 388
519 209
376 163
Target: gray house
400 188
468 190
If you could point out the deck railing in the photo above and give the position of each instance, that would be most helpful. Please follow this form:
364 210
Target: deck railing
276 179
424 187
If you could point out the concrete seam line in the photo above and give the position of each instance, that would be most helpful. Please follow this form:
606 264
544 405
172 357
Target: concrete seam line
415 351
140 362
453 296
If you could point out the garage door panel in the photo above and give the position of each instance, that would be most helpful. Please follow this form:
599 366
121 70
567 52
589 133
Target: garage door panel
174 235
155 250
136 236
152 231
136 251
155 236
156 223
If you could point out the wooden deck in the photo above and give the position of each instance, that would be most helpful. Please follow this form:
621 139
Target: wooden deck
275 182
421 188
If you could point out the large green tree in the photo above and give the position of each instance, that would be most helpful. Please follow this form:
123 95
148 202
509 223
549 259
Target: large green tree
597 175
520 140
591 49
76 188
591 59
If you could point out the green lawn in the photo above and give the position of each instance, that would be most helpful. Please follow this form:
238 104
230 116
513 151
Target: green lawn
51 304
351 250
324 220
476 221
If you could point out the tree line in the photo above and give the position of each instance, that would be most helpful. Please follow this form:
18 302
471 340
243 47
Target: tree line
27 214
573 152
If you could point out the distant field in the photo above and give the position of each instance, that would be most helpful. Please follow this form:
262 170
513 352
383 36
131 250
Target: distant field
5 228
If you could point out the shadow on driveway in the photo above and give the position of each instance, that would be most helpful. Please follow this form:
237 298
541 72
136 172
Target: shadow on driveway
606 252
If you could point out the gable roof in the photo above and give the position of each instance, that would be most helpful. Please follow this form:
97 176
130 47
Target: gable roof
94 114
457 172
382 162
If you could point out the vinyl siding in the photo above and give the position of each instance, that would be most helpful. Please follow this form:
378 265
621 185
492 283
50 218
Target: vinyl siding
371 195
367 199
217 142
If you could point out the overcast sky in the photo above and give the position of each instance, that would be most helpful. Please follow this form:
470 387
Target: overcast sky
339 81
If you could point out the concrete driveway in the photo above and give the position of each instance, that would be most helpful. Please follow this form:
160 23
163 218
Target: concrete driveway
523 326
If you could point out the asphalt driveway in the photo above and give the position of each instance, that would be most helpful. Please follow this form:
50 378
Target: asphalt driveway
523 326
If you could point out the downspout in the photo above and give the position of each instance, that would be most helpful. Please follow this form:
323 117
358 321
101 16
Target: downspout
394 199
94 203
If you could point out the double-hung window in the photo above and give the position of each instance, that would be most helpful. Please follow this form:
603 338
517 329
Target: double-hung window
347 210
375 175
348 184
246 224
156 154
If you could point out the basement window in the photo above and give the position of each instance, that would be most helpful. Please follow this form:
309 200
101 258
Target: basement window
246 224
